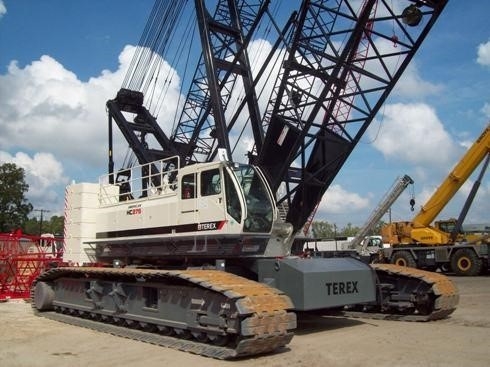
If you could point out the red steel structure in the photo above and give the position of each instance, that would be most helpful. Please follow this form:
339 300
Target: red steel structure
23 258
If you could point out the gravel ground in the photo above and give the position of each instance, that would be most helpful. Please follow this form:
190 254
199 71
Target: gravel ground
460 340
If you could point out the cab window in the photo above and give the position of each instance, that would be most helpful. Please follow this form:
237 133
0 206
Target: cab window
188 186
210 182
232 199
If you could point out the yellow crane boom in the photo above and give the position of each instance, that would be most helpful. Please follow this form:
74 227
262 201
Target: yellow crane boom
419 229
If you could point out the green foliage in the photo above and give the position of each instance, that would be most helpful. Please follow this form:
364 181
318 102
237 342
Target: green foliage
54 225
349 230
14 207
322 229
31 226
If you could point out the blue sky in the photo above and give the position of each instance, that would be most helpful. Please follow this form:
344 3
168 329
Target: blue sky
61 60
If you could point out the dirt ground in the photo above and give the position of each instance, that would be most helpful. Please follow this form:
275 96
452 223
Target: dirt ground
460 340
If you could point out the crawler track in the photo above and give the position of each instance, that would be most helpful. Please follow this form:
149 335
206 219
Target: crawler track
251 318
256 319
443 295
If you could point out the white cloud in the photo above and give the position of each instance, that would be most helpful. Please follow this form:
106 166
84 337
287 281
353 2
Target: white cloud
486 109
413 133
338 200
3 9
44 175
411 84
45 108
478 212
484 54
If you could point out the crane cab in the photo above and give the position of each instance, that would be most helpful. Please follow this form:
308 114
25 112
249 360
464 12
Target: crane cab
235 194
205 210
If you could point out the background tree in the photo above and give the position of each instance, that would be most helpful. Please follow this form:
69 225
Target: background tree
52 225
326 230
14 207
31 226
349 230
56 225
322 229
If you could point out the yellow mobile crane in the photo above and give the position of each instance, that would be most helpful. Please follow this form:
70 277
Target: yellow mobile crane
418 244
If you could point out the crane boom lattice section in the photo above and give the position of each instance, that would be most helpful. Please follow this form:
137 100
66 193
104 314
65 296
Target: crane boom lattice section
202 127
307 139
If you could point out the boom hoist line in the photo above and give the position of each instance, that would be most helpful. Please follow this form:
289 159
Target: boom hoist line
130 99
225 37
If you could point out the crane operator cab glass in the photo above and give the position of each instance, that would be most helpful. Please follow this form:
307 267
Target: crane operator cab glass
259 207
247 198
